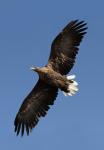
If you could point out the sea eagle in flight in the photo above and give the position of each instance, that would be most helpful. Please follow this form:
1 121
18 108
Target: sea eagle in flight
52 77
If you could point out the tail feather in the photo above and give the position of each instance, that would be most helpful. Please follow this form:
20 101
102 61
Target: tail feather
67 94
75 83
71 77
72 87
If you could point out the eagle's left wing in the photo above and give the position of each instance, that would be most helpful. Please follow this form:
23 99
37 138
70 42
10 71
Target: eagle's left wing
65 47
35 105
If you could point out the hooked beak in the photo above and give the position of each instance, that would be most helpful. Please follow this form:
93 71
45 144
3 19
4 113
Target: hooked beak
33 68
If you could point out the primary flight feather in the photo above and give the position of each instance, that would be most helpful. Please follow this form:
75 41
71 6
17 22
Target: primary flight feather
52 77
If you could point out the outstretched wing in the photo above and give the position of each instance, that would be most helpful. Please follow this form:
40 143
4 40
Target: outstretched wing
35 105
65 47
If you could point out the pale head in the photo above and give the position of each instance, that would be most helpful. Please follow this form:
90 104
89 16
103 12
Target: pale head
36 69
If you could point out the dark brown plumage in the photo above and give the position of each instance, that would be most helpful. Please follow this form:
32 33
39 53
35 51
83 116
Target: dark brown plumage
62 57
65 47
34 106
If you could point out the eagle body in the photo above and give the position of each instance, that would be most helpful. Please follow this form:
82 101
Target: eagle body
52 77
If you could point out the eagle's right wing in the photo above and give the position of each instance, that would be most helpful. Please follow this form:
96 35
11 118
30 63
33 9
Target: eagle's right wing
35 105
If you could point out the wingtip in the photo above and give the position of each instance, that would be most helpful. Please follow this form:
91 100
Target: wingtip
79 24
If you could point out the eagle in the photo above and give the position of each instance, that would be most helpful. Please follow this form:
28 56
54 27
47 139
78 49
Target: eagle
52 77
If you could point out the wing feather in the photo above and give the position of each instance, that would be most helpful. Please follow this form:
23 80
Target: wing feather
35 105
65 47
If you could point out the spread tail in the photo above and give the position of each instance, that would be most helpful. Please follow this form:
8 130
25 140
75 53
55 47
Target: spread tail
72 87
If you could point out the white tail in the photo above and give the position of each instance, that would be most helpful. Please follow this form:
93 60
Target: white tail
73 87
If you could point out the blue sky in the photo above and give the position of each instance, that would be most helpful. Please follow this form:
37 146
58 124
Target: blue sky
27 28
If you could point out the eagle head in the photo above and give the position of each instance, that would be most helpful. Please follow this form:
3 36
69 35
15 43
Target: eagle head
39 70
36 69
